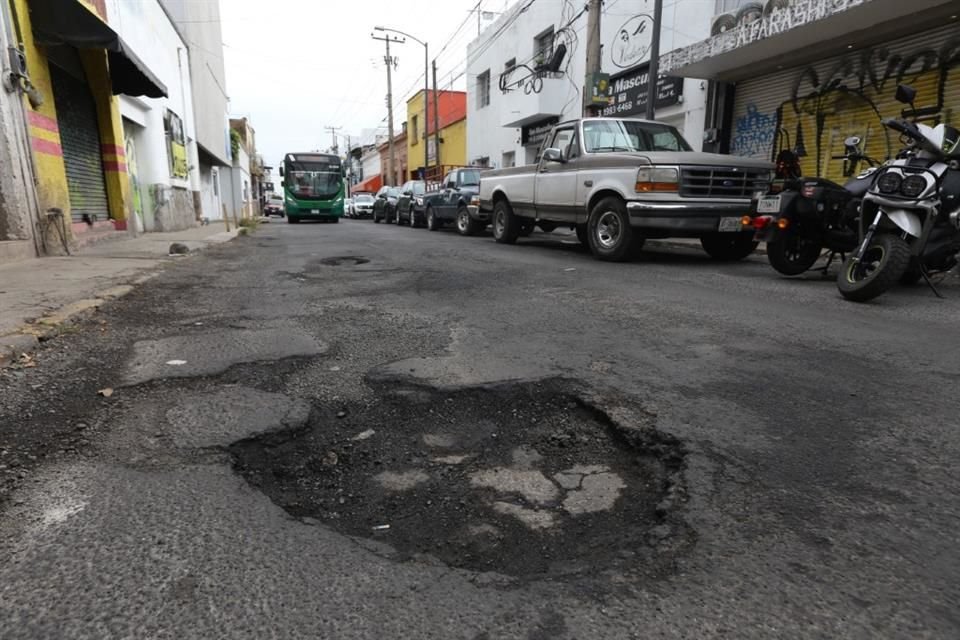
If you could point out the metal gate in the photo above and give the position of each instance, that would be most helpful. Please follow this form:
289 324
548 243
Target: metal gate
815 107
80 139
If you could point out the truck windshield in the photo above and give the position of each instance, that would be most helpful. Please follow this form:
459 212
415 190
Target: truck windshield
602 136
469 178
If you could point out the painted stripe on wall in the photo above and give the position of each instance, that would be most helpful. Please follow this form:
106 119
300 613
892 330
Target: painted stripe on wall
112 149
42 122
115 166
46 146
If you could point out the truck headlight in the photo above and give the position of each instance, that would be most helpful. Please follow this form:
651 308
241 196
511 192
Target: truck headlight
652 179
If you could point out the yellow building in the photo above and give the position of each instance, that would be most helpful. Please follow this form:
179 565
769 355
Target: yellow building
76 132
452 111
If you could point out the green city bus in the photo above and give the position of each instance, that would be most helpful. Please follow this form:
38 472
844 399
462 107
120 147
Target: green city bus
313 187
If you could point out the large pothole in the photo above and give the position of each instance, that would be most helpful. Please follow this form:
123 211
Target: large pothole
524 480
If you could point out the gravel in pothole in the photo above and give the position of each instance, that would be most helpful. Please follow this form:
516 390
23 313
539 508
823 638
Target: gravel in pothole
521 480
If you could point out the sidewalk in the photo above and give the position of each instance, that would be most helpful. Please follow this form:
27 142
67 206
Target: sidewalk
38 294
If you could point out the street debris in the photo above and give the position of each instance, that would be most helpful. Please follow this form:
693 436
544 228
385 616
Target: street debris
363 435
381 527
176 363
570 269
341 414
106 392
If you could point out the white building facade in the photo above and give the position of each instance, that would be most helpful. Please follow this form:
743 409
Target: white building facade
509 112
159 133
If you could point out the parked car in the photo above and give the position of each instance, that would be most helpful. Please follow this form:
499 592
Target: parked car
621 181
407 213
385 206
273 206
363 205
449 202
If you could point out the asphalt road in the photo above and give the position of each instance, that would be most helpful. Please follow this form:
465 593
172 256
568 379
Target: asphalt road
795 454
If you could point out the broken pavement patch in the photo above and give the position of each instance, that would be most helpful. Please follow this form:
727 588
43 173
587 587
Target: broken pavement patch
215 351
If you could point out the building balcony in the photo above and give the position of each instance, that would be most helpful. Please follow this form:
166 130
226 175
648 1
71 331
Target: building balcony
537 99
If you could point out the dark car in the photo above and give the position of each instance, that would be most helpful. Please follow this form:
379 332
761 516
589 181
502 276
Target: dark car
449 203
363 205
411 194
385 207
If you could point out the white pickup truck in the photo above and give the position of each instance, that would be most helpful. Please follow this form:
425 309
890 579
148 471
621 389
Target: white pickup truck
621 181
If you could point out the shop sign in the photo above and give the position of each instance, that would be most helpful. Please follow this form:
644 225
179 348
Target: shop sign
628 92
533 134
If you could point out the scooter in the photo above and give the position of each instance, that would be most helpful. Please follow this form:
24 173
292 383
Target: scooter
910 217
800 217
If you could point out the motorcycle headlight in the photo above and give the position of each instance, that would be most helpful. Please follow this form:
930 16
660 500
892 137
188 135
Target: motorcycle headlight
913 186
889 182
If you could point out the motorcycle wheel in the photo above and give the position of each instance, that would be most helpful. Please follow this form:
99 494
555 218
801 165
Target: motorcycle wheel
884 263
791 254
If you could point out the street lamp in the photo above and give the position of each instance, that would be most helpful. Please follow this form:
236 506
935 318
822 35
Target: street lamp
426 89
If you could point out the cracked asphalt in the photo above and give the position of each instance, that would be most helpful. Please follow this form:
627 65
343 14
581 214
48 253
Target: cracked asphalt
813 446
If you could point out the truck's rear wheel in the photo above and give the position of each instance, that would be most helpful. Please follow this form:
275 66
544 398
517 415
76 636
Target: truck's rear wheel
506 226
729 247
609 233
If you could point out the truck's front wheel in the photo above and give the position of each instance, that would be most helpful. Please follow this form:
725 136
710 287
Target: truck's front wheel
506 226
609 232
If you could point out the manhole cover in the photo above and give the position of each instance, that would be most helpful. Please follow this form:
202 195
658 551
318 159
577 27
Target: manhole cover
349 261
522 480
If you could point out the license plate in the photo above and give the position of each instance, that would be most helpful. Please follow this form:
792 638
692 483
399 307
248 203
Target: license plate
729 224
769 205
314 210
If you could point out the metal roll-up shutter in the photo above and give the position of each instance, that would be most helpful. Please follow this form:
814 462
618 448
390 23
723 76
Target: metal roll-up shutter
80 140
816 106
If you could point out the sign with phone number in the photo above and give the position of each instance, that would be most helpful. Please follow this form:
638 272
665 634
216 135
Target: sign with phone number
628 92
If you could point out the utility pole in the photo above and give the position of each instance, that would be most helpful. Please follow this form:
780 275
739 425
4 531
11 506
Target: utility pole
436 120
389 63
333 135
653 72
593 53
349 164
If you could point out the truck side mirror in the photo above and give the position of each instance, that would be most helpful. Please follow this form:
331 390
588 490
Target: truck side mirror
553 155
281 171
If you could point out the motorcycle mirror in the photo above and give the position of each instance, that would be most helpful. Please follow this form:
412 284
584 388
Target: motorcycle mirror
852 142
905 94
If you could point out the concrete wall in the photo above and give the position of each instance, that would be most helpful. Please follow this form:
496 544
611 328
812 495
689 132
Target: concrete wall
199 22
684 22
155 40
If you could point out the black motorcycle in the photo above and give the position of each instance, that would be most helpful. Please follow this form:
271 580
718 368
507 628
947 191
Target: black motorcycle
800 217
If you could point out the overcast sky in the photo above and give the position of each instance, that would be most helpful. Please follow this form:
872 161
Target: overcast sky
296 66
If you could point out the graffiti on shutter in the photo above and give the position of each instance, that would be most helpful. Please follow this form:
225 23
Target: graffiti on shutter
813 109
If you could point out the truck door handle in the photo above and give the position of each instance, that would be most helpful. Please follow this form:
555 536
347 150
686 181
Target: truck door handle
588 183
